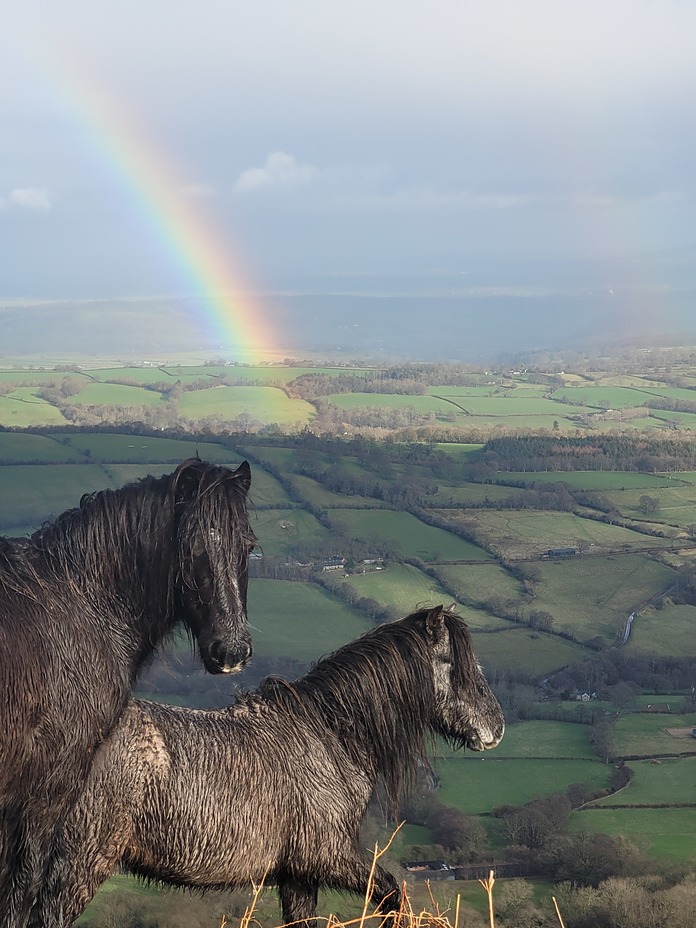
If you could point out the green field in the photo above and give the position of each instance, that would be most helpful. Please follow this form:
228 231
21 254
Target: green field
472 493
299 620
30 494
405 533
169 372
479 783
264 404
145 449
606 397
591 596
25 448
514 406
279 530
481 582
592 479
406 588
526 533
312 491
666 631
422 404
676 504
520 648
114 394
669 780
685 420
515 391
647 734
537 739
33 378
23 409
669 834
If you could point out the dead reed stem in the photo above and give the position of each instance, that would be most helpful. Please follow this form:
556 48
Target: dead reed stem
558 912
488 886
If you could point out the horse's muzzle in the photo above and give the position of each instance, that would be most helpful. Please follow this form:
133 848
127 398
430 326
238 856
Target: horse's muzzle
219 658
480 741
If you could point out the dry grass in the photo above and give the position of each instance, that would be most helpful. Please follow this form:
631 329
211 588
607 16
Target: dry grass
405 917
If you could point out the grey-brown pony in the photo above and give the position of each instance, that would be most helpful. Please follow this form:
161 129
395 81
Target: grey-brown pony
276 786
84 602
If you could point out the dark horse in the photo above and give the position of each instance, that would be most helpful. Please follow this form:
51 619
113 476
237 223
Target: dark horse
83 603
276 786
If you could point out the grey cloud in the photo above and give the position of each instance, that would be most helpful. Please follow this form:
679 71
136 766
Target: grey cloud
279 171
34 198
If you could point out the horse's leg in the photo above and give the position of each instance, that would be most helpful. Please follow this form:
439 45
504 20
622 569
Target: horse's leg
23 884
74 876
298 900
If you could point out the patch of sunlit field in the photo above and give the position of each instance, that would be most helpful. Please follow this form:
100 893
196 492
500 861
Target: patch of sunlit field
23 408
605 396
676 503
421 404
265 404
114 394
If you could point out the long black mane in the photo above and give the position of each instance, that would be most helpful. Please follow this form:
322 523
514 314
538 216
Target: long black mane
98 544
377 694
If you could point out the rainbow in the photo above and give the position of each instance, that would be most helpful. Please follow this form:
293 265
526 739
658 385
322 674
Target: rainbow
197 250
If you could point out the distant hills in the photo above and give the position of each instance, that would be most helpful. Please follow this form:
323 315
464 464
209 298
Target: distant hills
467 325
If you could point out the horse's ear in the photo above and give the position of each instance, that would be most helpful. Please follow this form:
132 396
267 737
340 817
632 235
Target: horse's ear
435 622
243 477
186 479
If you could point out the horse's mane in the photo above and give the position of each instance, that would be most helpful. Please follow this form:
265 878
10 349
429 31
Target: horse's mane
377 694
104 532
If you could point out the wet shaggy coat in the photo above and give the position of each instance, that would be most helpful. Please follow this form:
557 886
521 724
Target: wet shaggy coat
276 786
83 603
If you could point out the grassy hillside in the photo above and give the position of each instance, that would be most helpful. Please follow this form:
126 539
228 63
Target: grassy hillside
619 570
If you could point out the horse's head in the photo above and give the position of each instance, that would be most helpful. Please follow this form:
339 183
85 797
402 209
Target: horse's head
214 540
467 712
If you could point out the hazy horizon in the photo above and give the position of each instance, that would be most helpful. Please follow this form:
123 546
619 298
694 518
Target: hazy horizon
451 149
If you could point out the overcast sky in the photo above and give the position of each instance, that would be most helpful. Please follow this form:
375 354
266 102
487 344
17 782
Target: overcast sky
328 140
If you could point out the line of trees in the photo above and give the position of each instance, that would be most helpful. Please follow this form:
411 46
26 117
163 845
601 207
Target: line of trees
622 452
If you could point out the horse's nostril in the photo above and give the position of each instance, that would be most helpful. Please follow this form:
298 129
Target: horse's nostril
245 652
